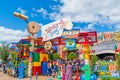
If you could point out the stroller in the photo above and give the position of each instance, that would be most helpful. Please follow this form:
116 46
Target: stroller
15 72
3 68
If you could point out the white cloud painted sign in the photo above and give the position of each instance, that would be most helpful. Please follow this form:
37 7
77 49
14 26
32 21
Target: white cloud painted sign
55 29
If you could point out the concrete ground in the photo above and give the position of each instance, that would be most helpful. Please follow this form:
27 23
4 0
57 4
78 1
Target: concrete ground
7 77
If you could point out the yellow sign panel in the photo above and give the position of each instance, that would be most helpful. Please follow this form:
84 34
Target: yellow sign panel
86 56
117 36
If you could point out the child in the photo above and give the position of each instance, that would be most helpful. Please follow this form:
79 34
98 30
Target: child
49 71
55 69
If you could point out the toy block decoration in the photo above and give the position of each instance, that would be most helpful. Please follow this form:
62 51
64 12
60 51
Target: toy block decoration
36 57
43 57
36 64
36 69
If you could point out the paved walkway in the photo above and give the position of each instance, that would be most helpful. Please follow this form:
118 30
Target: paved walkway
7 77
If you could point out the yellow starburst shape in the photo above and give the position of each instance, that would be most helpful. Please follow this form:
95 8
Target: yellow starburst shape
68 25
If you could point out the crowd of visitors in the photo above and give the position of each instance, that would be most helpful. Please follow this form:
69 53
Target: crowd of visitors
67 67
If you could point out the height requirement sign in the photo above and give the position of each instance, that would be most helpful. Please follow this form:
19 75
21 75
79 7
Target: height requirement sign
55 29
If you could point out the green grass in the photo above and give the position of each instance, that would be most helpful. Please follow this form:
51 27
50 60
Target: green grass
106 63
110 78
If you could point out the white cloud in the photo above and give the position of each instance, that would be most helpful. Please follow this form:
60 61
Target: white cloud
33 9
55 16
103 12
40 24
90 27
22 11
85 11
117 27
115 18
43 11
12 35
0 45
34 15
55 7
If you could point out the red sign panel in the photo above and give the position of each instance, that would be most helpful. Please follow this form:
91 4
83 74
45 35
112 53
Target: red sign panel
90 37
62 41
39 42
56 41
81 37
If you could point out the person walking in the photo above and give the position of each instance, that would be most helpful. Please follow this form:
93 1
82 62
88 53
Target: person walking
69 71
96 66
0 64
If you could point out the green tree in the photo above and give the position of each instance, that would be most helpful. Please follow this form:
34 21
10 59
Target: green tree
119 61
14 61
50 56
93 59
56 56
4 51
71 56
26 62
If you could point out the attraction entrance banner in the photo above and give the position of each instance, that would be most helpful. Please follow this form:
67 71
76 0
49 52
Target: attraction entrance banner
70 33
55 29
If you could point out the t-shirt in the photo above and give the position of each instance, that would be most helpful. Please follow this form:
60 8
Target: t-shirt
0 61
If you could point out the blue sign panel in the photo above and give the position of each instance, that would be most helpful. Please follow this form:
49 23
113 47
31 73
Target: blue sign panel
71 43
104 68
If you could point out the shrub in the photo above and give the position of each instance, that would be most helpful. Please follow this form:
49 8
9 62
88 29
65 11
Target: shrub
56 56
71 56
93 59
110 78
119 61
51 57
105 63
4 53
14 62
26 62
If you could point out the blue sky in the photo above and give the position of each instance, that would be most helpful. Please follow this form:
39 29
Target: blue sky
102 16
